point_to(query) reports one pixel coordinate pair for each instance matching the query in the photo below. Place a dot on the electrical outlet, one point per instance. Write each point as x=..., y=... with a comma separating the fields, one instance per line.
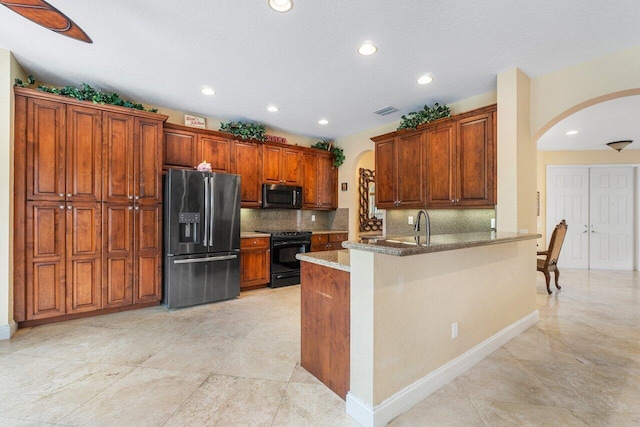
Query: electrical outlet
x=454, y=330
x=410, y=220
x=313, y=218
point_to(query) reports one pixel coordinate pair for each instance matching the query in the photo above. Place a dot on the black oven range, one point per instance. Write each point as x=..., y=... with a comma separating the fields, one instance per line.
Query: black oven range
x=285, y=245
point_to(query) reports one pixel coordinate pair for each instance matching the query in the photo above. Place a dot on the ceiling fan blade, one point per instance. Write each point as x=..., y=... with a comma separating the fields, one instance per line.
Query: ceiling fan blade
x=47, y=16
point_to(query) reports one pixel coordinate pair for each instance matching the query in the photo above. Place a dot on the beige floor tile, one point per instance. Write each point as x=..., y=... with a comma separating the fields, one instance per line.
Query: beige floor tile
x=500, y=414
x=65, y=389
x=134, y=347
x=17, y=371
x=15, y=422
x=301, y=375
x=607, y=418
x=193, y=354
x=231, y=401
x=312, y=405
x=145, y=397
x=440, y=411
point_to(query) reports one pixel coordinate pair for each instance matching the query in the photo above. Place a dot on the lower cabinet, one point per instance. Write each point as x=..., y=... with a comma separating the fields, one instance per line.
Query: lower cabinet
x=255, y=262
x=327, y=241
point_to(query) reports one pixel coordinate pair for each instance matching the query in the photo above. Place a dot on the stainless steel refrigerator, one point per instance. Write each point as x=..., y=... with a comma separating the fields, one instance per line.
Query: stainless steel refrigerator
x=201, y=237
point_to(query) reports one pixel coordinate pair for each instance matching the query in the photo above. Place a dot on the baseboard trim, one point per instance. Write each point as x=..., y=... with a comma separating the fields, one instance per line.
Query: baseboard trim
x=6, y=331
x=408, y=397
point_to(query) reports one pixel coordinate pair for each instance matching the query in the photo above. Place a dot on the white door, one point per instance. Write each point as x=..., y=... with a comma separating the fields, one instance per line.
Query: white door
x=568, y=199
x=597, y=203
x=611, y=218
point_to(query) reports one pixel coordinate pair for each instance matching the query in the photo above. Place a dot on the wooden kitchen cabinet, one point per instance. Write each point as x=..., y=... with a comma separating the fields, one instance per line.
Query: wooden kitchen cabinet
x=247, y=162
x=282, y=165
x=441, y=165
x=320, y=181
x=400, y=171
x=82, y=160
x=255, y=262
x=476, y=183
x=185, y=147
x=327, y=241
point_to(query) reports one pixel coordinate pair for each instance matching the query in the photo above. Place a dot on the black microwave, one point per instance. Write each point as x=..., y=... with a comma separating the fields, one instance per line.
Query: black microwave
x=281, y=196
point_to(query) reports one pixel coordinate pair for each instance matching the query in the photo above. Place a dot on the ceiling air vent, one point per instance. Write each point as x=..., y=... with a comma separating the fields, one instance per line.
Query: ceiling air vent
x=385, y=110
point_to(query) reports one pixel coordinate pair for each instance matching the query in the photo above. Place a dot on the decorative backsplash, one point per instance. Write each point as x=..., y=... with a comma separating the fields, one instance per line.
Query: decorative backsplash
x=443, y=221
x=293, y=219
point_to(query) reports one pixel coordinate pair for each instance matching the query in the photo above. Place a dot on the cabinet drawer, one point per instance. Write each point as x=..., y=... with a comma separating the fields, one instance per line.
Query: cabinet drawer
x=255, y=242
x=338, y=237
x=319, y=238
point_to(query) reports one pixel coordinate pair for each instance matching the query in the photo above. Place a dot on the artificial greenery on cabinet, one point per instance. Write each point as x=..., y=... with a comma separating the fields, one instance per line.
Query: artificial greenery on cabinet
x=245, y=130
x=338, y=154
x=426, y=115
x=85, y=92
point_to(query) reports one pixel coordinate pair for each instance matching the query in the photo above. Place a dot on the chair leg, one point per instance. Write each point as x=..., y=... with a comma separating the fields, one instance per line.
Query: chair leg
x=557, y=274
x=547, y=277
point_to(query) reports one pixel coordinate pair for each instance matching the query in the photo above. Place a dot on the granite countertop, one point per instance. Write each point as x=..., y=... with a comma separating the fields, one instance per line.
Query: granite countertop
x=411, y=245
x=253, y=234
x=335, y=259
x=328, y=231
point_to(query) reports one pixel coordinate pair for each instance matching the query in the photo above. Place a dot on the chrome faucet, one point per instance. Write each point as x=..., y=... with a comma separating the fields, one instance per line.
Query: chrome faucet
x=427, y=223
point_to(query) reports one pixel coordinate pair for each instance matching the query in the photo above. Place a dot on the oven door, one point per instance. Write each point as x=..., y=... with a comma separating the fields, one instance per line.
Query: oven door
x=285, y=268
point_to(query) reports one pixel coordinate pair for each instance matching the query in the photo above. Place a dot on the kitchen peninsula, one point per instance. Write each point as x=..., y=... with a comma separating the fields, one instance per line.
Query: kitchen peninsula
x=421, y=314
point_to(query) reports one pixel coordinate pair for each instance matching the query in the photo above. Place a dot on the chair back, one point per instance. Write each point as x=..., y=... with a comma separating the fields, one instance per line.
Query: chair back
x=557, y=238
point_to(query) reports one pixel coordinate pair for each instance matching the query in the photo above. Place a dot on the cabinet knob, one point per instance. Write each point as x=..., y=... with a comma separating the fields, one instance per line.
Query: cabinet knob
x=69, y=194
x=69, y=207
x=457, y=200
x=130, y=197
x=61, y=194
x=255, y=243
x=137, y=208
x=137, y=197
x=130, y=208
x=61, y=206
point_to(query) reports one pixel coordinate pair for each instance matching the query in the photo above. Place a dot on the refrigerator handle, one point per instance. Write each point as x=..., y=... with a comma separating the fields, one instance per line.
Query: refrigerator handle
x=206, y=219
x=207, y=259
x=211, y=207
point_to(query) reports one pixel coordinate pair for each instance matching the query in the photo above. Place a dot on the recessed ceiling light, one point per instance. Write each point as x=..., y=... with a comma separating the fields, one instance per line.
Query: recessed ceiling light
x=572, y=132
x=425, y=80
x=281, y=5
x=208, y=91
x=272, y=108
x=367, y=49
x=323, y=121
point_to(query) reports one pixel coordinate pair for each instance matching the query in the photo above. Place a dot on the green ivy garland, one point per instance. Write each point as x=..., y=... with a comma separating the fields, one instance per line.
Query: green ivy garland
x=338, y=154
x=426, y=115
x=86, y=93
x=245, y=130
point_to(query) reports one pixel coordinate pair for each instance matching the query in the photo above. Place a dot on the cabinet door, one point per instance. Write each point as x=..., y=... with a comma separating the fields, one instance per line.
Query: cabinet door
x=117, y=251
x=310, y=180
x=386, y=177
x=247, y=158
x=272, y=165
x=215, y=151
x=327, y=183
x=255, y=266
x=441, y=166
x=84, y=154
x=83, y=257
x=46, y=134
x=45, y=259
x=291, y=166
x=148, y=253
x=410, y=172
x=147, y=185
x=476, y=159
x=118, y=153
x=180, y=149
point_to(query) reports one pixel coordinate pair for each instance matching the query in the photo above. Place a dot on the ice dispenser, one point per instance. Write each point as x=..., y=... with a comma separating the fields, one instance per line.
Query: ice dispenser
x=189, y=225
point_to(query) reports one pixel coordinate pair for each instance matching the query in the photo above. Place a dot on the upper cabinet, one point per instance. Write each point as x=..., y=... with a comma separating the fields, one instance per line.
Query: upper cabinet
x=320, y=180
x=447, y=163
x=186, y=147
x=282, y=165
x=400, y=167
x=247, y=162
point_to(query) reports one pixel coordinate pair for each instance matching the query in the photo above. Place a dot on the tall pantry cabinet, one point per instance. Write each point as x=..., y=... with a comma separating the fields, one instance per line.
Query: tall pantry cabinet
x=87, y=208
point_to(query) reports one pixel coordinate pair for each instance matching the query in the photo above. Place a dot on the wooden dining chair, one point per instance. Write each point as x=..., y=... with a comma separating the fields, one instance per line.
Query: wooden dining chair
x=550, y=262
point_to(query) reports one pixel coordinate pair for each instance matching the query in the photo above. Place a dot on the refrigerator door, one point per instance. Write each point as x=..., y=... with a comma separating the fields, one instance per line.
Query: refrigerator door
x=224, y=229
x=199, y=279
x=186, y=211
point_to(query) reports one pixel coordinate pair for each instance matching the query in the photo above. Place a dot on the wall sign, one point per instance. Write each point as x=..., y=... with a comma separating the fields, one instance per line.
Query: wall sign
x=194, y=121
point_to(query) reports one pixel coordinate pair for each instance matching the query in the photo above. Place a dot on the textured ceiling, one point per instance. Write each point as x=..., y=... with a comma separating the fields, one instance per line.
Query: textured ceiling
x=163, y=52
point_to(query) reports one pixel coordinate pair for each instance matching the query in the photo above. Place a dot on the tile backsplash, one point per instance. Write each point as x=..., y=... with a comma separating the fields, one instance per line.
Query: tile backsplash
x=293, y=219
x=443, y=221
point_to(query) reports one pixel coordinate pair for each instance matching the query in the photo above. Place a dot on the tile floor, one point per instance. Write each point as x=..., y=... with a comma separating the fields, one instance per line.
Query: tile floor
x=235, y=363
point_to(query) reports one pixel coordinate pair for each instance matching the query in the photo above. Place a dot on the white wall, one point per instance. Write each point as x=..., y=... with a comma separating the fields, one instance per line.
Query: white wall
x=9, y=70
